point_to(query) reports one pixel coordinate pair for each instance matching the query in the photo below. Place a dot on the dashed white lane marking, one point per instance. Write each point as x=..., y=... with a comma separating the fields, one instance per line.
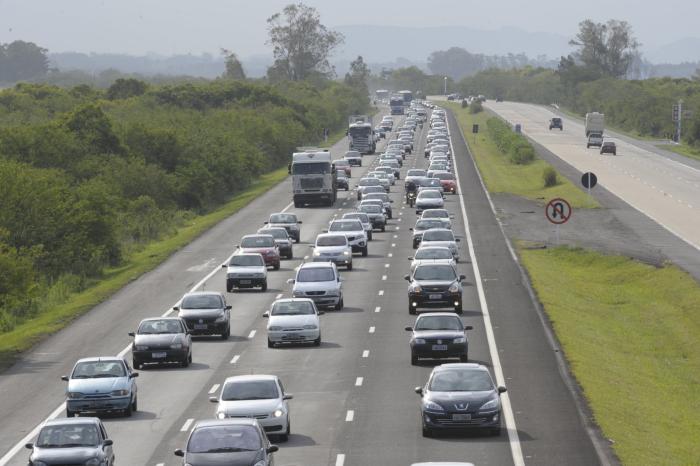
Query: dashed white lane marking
x=252, y=334
x=365, y=353
x=350, y=415
x=399, y=221
x=358, y=381
x=372, y=329
x=235, y=359
x=391, y=255
x=278, y=296
x=393, y=245
x=383, y=277
x=214, y=388
x=398, y=227
x=396, y=236
x=381, y=293
x=387, y=265
x=377, y=309
x=186, y=426
x=306, y=257
x=340, y=460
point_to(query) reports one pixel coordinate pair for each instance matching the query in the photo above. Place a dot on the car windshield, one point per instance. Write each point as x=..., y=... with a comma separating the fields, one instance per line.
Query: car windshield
x=250, y=390
x=439, y=323
x=257, y=242
x=436, y=214
x=314, y=168
x=361, y=217
x=99, y=369
x=68, y=436
x=247, y=260
x=371, y=209
x=283, y=218
x=224, y=439
x=429, y=195
x=370, y=182
x=318, y=274
x=292, y=308
x=433, y=253
x=202, y=301
x=428, y=223
x=345, y=226
x=380, y=196
x=160, y=326
x=461, y=381
x=444, y=176
x=335, y=240
x=435, y=272
x=438, y=235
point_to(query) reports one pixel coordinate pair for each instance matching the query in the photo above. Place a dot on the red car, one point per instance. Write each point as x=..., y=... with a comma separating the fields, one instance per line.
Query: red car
x=261, y=244
x=343, y=165
x=448, y=182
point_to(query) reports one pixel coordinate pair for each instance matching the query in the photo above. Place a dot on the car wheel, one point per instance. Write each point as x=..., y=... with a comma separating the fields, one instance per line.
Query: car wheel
x=229, y=288
x=297, y=239
x=317, y=341
x=349, y=266
x=411, y=310
x=129, y=410
x=227, y=333
x=364, y=251
x=135, y=404
x=427, y=432
x=383, y=228
x=369, y=237
x=458, y=309
x=276, y=266
x=414, y=359
x=270, y=343
x=340, y=305
x=285, y=437
x=264, y=286
x=185, y=362
x=136, y=364
x=290, y=255
x=464, y=358
x=70, y=413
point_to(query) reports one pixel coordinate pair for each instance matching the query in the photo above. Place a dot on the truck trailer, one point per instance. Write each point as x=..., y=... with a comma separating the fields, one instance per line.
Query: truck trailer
x=595, y=123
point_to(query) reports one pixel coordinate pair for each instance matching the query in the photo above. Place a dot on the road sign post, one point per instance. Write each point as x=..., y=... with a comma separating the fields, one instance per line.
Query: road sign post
x=589, y=180
x=475, y=130
x=558, y=211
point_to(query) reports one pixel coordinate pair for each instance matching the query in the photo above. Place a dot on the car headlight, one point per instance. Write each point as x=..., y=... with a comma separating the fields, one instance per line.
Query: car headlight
x=119, y=392
x=141, y=347
x=460, y=340
x=489, y=405
x=39, y=463
x=278, y=413
x=260, y=463
x=317, y=253
x=311, y=327
x=419, y=341
x=221, y=318
x=94, y=462
x=274, y=328
x=432, y=406
x=74, y=395
x=221, y=415
x=176, y=346
x=416, y=289
x=454, y=288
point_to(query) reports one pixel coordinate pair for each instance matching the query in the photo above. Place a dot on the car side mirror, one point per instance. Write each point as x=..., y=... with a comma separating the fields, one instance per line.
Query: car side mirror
x=408, y=329
x=410, y=258
x=64, y=378
x=457, y=240
x=320, y=312
x=133, y=375
x=229, y=307
x=108, y=443
x=132, y=334
x=288, y=396
x=502, y=389
x=176, y=308
x=266, y=223
x=410, y=228
x=407, y=277
x=29, y=446
x=179, y=452
x=468, y=327
x=419, y=390
x=272, y=448
x=299, y=222
x=266, y=314
x=223, y=266
x=462, y=277
x=325, y=230
x=391, y=201
x=238, y=246
x=291, y=281
x=213, y=399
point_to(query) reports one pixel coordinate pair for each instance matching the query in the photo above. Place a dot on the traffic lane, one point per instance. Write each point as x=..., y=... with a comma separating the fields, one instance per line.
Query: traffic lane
x=663, y=189
x=550, y=426
x=89, y=335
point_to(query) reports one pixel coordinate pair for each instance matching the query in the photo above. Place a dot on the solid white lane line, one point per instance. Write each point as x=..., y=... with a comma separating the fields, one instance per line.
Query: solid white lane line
x=377, y=309
x=186, y=426
x=365, y=353
x=350, y=415
x=513, y=437
x=358, y=381
x=371, y=330
x=214, y=388
x=252, y=334
x=340, y=460
x=235, y=359
x=278, y=296
x=381, y=293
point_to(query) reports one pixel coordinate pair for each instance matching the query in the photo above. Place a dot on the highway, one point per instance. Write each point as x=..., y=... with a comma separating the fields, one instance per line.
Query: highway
x=354, y=402
x=664, y=189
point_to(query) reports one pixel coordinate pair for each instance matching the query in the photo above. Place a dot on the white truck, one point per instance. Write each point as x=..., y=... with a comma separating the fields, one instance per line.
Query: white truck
x=361, y=134
x=313, y=177
x=595, y=123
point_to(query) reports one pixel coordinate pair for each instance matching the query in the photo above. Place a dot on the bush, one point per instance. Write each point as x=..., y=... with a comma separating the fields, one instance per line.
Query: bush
x=515, y=146
x=522, y=152
x=549, y=176
x=475, y=107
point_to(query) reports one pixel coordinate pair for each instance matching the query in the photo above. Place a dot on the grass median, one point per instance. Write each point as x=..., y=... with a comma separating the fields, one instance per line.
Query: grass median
x=29, y=332
x=502, y=176
x=631, y=333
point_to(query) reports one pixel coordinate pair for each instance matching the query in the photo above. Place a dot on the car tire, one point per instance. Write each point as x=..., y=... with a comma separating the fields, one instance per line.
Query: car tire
x=135, y=404
x=285, y=437
x=317, y=341
x=427, y=432
x=297, y=238
x=364, y=251
x=185, y=362
x=227, y=333
x=129, y=410
x=369, y=236
x=70, y=413
x=383, y=228
x=229, y=288
x=458, y=309
x=270, y=343
x=411, y=310
x=340, y=305
x=349, y=266
x=290, y=256
x=414, y=359
x=264, y=286
x=276, y=266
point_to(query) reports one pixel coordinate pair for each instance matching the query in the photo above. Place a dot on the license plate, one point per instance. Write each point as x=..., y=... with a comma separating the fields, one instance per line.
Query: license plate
x=461, y=417
x=293, y=336
x=158, y=355
x=200, y=326
x=246, y=282
x=435, y=296
x=439, y=347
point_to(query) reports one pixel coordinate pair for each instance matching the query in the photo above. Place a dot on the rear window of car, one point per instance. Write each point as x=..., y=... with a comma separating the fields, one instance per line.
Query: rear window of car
x=247, y=260
x=283, y=218
x=316, y=274
x=202, y=301
x=336, y=240
x=257, y=242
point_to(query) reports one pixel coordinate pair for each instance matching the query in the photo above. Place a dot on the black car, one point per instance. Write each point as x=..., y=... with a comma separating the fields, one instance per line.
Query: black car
x=421, y=226
x=282, y=238
x=376, y=216
x=556, y=123
x=162, y=339
x=206, y=313
x=439, y=335
x=460, y=396
x=342, y=182
x=81, y=440
x=238, y=441
x=434, y=285
x=608, y=147
x=385, y=201
x=289, y=222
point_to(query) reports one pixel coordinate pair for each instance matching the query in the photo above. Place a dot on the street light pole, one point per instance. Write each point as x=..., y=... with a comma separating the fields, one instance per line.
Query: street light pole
x=445, y=85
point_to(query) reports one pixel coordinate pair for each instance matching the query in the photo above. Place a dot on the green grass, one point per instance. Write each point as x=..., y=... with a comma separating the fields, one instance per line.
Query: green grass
x=681, y=150
x=31, y=331
x=631, y=333
x=501, y=176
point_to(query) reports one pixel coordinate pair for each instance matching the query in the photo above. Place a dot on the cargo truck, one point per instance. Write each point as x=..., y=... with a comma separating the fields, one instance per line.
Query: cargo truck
x=595, y=123
x=361, y=134
x=313, y=177
x=396, y=104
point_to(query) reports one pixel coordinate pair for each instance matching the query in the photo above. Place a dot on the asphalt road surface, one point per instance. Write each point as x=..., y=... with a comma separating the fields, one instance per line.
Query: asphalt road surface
x=664, y=189
x=353, y=396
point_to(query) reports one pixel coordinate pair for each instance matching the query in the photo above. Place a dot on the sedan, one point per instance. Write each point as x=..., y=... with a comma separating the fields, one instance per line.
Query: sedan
x=376, y=215
x=333, y=247
x=289, y=222
x=228, y=441
x=205, y=313
x=460, y=396
x=432, y=255
x=72, y=441
x=101, y=385
x=448, y=181
x=261, y=244
x=363, y=218
x=434, y=285
x=386, y=202
x=608, y=147
x=429, y=199
x=438, y=335
x=256, y=396
x=282, y=240
x=441, y=237
x=422, y=225
x=161, y=339
x=293, y=320
x=368, y=182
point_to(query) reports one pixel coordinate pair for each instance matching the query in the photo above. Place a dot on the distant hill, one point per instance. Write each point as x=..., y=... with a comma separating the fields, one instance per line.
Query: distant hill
x=682, y=50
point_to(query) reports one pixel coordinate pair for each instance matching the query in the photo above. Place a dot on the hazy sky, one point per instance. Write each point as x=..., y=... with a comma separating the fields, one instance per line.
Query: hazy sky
x=195, y=26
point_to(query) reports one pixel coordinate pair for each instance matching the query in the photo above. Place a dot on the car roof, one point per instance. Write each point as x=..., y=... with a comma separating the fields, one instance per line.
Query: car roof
x=179, y=319
x=316, y=265
x=255, y=235
x=250, y=378
x=293, y=300
x=64, y=420
x=100, y=358
x=439, y=229
x=284, y=213
x=437, y=314
x=194, y=293
x=240, y=421
x=460, y=365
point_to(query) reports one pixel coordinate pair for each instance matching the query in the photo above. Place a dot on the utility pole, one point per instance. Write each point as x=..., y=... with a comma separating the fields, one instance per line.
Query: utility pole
x=680, y=119
x=445, y=85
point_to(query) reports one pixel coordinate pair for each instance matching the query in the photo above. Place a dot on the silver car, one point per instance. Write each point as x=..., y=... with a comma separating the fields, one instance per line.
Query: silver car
x=72, y=441
x=293, y=320
x=289, y=222
x=246, y=271
x=441, y=237
x=429, y=199
x=432, y=255
x=333, y=247
x=319, y=281
x=256, y=396
x=364, y=219
x=355, y=233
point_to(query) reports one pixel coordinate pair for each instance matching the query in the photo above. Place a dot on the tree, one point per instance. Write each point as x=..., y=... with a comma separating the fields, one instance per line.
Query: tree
x=125, y=88
x=607, y=48
x=234, y=68
x=21, y=60
x=455, y=62
x=301, y=44
x=358, y=75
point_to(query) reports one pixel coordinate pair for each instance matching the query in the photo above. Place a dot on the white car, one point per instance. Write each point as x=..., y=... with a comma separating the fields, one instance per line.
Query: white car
x=246, y=271
x=293, y=320
x=441, y=237
x=432, y=255
x=319, y=281
x=364, y=219
x=333, y=247
x=256, y=396
x=429, y=199
x=441, y=214
x=353, y=231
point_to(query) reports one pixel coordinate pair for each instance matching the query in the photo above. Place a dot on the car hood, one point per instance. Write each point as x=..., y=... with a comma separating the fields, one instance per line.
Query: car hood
x=446, y=334
x=331, y=249
x=317, y=286
x=98, y=385
x=248, y=407
x=242, y=458
x=199, y=313
x=444, y=283
x=445, y=244
x=157, y=340
x=64, y=455
x=448, y=399
x=246, y=269
x=293, y=321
